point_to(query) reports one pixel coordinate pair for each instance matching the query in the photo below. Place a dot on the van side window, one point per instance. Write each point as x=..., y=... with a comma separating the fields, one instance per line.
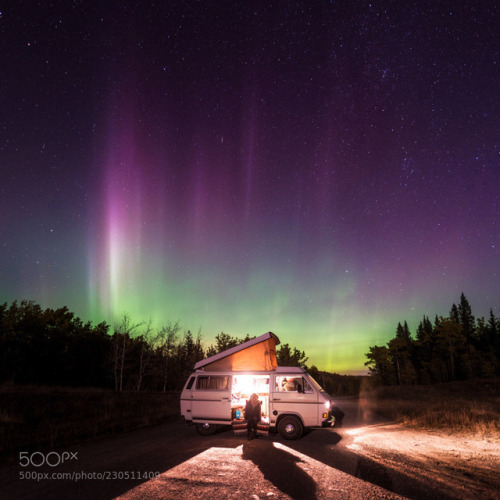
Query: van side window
x=214, y=382
x=190, y=383
x=289, y=383
x=293, y=384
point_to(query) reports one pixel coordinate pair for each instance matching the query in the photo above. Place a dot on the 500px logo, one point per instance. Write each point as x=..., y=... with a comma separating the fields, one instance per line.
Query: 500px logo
x=52, y=459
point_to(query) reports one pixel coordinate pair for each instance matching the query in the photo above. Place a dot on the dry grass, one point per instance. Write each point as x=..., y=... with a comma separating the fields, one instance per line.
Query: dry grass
x=33, y=418
x=468, y=407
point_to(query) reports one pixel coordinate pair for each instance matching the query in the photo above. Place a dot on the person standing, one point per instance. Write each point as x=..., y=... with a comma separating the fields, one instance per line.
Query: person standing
x=252, y=415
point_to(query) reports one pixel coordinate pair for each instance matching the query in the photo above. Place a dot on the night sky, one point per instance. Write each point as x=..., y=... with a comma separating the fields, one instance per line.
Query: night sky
x=322, y=170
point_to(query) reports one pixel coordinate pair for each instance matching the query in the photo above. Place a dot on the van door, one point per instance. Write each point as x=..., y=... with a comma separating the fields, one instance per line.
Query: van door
x=292, y=394
x=211, y=399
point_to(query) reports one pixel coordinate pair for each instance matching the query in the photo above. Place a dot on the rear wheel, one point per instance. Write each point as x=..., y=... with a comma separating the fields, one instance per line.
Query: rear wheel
x=290, y=428
x=206, y=429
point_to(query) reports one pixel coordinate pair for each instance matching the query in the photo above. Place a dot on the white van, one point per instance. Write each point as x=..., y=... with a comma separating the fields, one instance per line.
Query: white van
x=291, y=399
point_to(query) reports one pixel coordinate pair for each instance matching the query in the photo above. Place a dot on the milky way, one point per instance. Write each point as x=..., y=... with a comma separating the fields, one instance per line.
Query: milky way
x=322, y=170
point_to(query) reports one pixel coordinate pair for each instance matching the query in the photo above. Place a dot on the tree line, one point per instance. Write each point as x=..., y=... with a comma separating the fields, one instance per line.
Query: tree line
x=456, y=347
x=55, y=347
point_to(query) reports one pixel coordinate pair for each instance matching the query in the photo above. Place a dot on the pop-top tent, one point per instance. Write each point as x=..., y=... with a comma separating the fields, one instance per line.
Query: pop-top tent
x=258, y=354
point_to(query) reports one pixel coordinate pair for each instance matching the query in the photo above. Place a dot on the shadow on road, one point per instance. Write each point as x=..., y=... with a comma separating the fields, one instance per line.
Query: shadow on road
x=323, y=446
x=280, y=468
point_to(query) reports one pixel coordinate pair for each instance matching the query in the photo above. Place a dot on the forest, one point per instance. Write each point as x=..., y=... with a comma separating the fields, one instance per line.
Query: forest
x=456, y=347
x=53, y=347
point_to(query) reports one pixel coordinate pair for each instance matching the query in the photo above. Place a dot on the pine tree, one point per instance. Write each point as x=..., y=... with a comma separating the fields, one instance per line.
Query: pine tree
x=380, y=365
x=401, y=352
x=454, y=314
x=466, y=319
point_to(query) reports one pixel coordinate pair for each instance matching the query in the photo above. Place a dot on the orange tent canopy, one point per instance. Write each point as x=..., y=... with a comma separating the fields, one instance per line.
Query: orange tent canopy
x=258, y=354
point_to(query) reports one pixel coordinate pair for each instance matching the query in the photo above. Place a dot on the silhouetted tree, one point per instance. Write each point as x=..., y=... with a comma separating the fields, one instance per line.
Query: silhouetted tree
x=50, y=346
x=166, y=341
x=87, y=356
x=122, y=344
x=450, y=342
x=456, y=347
x=401, y=352
x=223, y=341
x=145, y=352
x=189, y=352
x=380, y=365
x=288, y=356
x=454, y=314
x=467, y=319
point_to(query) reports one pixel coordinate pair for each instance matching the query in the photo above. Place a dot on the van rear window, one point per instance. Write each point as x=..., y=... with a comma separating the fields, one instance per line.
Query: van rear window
x=217, y=382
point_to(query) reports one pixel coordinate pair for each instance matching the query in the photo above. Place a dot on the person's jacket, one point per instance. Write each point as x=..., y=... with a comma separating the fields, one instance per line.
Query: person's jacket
x=252, y=411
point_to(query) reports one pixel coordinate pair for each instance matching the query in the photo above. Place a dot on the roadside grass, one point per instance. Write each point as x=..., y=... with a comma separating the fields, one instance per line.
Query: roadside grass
x=457, y=407
x=37, y=418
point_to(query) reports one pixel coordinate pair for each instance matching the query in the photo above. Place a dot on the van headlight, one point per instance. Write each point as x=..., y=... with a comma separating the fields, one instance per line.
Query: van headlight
x=327, y=405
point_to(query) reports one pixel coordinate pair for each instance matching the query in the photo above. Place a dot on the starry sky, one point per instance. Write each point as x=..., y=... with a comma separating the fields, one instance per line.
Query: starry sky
x=322, y=170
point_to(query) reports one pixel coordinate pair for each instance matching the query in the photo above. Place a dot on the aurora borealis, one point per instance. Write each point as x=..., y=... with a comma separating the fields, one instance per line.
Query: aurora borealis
x=322, y=170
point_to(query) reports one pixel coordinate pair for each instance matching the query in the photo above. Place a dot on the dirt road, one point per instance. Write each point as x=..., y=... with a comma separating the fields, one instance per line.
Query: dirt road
x=364, y=458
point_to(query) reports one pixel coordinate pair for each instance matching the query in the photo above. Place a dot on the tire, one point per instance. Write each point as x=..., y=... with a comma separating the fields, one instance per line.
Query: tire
x=206, y=429
x=290, y=428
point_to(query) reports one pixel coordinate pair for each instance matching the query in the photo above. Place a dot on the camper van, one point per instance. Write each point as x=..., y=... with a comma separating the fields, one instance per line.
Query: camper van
x=216, y=393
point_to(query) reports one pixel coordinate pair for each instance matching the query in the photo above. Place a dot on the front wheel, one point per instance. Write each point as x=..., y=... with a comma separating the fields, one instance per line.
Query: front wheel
x=206, y=429
x=290, y=428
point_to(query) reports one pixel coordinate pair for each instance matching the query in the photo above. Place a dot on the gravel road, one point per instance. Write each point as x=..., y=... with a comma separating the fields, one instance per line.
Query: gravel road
x=364, y=458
